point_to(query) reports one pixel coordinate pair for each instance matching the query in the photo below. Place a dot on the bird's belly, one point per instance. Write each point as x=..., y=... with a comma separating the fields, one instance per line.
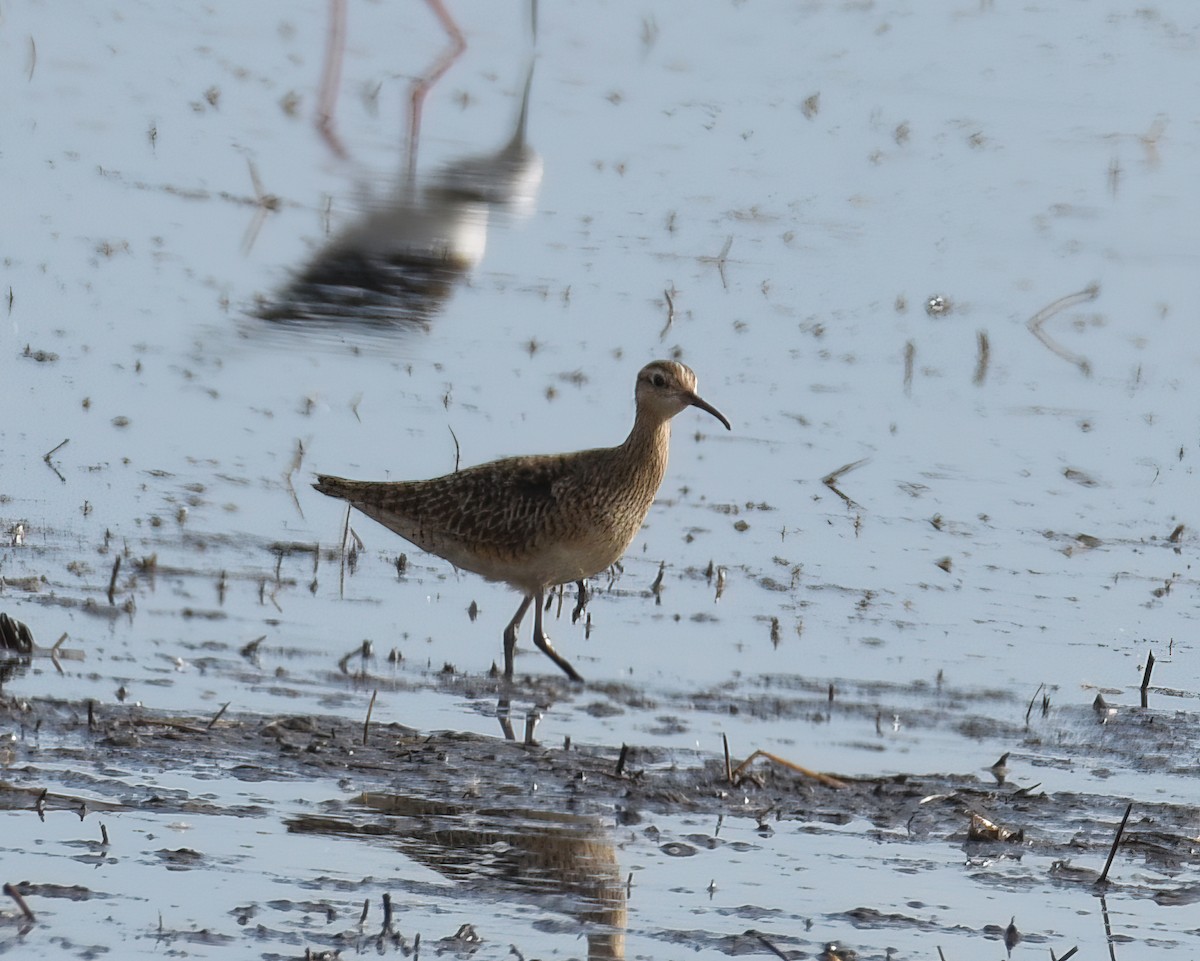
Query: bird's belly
x=547, y=565
x=562, y=564
x=547, y=558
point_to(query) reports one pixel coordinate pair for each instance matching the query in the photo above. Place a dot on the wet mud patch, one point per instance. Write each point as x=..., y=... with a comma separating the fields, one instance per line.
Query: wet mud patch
x=550, y=844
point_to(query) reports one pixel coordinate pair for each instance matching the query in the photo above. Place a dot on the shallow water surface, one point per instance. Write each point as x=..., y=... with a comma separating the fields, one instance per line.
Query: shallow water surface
x=936, y=265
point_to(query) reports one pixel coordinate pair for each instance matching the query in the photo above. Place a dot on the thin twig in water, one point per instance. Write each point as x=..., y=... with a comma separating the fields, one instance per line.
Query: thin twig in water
x=982, y=359
x=668, y=294
x=387, y=913
x=1103, y=879
x=581, y=599
x=622, y=759
x=50, y=453
x=345, y=542
x=457, y=452
x=1149, y=668
x=297, y=458
x=251, y=650
x=769, y=946
x=826, y=779
x=367, y=722
x=656, y=587
x=831, y=479
x=216, y=717
x=112, y=581
x=728, y=763
x=1036, y=325
x=1032, y=700
x=54, y=654
x=720, y=260
x=264, y=202
x=1145, y=691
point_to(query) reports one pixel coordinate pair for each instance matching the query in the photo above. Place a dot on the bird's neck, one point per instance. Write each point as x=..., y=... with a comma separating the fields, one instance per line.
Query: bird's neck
x=647, y=446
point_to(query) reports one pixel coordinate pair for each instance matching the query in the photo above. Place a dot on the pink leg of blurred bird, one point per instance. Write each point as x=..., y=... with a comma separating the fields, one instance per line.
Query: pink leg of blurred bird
x=423, y=84
x=331, y=77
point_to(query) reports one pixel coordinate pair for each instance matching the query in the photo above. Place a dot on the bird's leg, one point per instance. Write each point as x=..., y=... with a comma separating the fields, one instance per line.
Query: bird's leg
x=543, y=642
x=421, y=86
x=510, y=634
x=331, y=78
x=504, y=716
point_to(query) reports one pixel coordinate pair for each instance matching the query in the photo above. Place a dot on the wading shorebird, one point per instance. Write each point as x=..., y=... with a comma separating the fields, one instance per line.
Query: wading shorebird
x=537, y=522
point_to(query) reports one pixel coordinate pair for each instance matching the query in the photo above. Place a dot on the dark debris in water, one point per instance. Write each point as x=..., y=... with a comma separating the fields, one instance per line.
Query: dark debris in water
x=948, y=807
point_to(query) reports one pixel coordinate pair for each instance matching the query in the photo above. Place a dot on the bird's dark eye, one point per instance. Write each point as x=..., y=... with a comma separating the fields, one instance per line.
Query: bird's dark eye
x=658, y=380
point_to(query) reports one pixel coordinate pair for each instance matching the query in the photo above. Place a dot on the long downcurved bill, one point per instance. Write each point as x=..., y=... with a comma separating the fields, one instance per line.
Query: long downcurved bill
x=697, y=401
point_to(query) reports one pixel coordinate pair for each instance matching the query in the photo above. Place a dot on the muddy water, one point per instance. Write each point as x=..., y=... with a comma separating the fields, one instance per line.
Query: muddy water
x=948, y=251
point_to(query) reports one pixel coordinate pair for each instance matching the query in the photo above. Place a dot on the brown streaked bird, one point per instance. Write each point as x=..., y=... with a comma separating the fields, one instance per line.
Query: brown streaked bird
x=537, y=522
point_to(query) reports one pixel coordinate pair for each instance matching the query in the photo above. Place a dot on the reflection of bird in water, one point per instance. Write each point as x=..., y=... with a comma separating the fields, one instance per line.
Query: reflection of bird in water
x=397, y=265
x=536, y=522
x=509, y=178
x=401, y=260
x=563, y=861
